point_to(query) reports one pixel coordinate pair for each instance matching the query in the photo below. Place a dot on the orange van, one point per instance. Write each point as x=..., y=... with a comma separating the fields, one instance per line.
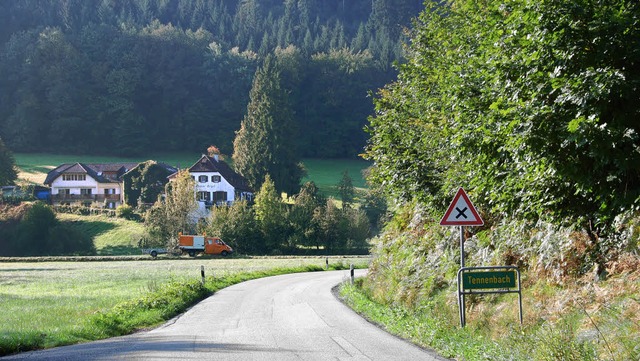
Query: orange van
x=197, y=244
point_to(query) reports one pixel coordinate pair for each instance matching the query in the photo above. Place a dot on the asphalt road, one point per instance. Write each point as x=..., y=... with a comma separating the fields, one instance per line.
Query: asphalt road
x=289, y=317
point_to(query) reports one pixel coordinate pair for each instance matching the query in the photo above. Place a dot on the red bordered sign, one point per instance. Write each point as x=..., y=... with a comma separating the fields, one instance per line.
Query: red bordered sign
x=461, y=212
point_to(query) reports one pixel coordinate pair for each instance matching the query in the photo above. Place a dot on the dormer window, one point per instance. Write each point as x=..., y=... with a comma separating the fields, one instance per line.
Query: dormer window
x=74, y=177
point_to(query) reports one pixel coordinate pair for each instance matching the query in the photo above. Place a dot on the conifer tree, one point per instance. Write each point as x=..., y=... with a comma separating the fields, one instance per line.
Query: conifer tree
x=346, y=190
x=265, y=143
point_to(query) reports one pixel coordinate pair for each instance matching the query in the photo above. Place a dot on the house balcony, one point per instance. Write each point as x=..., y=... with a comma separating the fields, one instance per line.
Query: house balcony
x=85, y=197
x=209, y=204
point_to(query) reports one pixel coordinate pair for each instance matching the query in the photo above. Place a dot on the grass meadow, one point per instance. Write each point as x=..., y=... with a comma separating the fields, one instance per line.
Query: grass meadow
x=46, y=304
x=111, y=236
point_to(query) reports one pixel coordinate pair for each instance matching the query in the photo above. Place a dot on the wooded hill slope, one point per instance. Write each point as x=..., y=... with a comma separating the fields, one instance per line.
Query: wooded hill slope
x=131, y=76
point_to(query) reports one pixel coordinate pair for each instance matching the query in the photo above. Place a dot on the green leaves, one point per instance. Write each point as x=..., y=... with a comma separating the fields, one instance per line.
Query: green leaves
x=523, y=102
x=8, y=170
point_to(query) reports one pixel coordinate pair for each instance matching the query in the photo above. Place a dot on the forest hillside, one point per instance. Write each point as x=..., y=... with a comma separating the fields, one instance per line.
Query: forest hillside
x=127, y=77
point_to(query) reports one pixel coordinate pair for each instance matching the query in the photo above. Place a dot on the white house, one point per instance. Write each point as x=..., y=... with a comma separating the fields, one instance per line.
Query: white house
x=217, y=183
x=91, y=185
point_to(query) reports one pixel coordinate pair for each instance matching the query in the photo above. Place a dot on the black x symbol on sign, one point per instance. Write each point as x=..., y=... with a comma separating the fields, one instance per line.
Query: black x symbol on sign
x=461, y=212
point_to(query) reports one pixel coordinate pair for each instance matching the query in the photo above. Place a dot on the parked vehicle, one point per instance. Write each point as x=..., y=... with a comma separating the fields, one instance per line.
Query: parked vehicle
x=209, y=245
x=154, y=252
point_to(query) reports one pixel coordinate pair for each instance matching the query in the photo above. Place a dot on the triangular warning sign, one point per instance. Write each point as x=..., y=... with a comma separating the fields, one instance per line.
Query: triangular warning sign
x=461, y=212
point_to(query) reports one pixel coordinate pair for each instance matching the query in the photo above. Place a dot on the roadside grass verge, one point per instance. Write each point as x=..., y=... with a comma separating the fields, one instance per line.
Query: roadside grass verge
x=49, y=304
x=582, y=322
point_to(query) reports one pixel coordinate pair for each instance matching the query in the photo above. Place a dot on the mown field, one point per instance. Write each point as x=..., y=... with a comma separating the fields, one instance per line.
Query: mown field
x=46, y=304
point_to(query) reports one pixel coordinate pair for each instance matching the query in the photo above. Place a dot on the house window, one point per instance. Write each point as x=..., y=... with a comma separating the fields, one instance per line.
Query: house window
x=203, y=179
x=110, y=205
x=110, y=191
x=216, y=178
x=220, y=197
x=74, y=177
x=203, y=196
x=64, y=191
x=86, y=191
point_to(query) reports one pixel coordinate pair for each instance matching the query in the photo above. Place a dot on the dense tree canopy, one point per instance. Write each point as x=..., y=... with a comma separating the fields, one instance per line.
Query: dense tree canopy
x=131, y=77
x=143, y=184
x=8, y=172
x=531, y=105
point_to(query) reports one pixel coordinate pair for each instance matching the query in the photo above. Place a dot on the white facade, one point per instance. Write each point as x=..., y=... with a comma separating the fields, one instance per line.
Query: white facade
x=212, y=189
x=90, y=185
x=217, y=184
x=87, y=191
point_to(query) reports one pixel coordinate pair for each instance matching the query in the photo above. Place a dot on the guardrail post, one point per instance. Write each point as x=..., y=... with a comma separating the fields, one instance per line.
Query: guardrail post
x=202, y=274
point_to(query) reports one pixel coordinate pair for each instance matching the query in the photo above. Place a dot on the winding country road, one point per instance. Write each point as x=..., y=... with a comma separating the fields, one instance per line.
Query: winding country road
x=289, y=317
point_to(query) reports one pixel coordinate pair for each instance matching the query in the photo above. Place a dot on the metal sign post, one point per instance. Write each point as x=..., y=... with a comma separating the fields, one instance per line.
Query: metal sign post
x=461, y=212
x=482, y=280
x=461, y=303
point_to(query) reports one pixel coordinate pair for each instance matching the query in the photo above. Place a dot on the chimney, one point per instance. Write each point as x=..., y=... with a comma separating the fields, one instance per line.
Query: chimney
x=215, y=156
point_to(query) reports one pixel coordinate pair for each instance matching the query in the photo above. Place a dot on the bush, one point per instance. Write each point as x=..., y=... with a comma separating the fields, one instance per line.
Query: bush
x=85, y=211
x=34, y=230
x=236, y=225
x=70, y=241
x=127, y=212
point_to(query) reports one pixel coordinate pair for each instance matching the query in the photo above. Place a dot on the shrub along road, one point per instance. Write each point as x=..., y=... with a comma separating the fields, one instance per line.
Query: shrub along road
x=289, y=317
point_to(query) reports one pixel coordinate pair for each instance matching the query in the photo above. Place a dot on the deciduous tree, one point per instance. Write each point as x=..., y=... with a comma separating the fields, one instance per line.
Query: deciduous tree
x=346, y=190
x=532, y=105
x=175, y=214
x=271, y=215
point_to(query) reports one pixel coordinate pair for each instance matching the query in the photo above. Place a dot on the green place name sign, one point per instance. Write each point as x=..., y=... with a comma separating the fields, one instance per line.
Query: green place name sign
x=488, y=279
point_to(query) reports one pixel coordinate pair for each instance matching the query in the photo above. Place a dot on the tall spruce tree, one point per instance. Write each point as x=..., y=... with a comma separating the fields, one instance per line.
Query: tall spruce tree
x=346, y=190
x=265, y=143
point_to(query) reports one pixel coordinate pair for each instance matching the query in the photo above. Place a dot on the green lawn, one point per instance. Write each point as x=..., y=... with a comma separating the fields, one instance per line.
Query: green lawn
x=326, y=173
x=111, y=236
